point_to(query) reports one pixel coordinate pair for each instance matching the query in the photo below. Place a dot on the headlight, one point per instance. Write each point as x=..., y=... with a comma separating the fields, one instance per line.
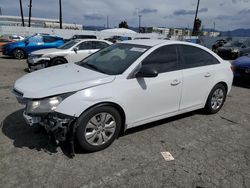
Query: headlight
x=235, y=50
x=35, y=56
x=46, y=105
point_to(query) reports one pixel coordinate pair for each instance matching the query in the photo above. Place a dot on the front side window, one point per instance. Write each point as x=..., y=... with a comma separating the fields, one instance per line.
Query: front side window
x=196, y=57
x=163, y=59
x=115, y=59
x=99, y=45
x=68, y=45
x=85, y=45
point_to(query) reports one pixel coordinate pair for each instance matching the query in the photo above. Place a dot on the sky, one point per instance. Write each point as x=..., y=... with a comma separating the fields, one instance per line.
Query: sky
x=226, y=14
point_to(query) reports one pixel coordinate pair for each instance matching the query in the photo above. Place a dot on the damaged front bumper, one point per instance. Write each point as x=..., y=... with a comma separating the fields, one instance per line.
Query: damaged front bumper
x=55, y=123
x=37, y=63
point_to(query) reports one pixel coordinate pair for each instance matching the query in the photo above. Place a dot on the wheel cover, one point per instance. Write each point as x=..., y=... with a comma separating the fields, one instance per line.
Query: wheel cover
x=19, y=54
x=100, y=129
x=217, y=99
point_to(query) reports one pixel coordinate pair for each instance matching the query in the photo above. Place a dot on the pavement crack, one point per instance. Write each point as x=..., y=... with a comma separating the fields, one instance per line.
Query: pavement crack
x=229, y=120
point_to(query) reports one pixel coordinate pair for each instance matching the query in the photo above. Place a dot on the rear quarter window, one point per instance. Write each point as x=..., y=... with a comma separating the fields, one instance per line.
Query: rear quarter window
x=195, y=57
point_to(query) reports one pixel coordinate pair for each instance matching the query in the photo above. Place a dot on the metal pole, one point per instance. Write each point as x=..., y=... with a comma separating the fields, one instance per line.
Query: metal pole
x=60, y=14
x=107, y=21
x=21, y=8
x=30, y=11
x=140, y=23
x=0, y=10
x=197, y=9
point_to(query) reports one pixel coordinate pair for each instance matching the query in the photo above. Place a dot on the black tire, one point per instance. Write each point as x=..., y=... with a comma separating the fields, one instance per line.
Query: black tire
x=57, y=61
x=213, y=109
x=85, y=118
x=18, y=54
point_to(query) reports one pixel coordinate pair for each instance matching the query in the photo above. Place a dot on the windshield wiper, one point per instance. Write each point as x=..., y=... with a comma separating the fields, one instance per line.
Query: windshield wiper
x=93, y=67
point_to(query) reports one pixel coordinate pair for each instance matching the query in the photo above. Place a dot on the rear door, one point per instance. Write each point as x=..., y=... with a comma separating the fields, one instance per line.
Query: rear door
x=199, y=69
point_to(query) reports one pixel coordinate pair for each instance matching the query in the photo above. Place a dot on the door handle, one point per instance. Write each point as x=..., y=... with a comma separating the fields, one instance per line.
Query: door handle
x=207, y=75
x=175, y=82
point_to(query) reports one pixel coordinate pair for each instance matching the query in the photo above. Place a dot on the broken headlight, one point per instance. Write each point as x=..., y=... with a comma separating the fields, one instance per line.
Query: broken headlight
x=46, y=105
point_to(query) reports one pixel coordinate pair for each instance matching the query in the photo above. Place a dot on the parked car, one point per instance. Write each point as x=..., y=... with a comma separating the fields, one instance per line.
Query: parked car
x=80, y=37
x=115, y=39
x=218, y=43
x=4, y=41
x=13, y=37
x=241, y=69
x=72, y=51
x=21, y=49
x=123, y=86
x=234, y=49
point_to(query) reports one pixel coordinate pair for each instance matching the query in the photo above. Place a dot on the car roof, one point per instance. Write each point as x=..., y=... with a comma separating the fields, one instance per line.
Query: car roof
x=82, y=40
x=155, y=42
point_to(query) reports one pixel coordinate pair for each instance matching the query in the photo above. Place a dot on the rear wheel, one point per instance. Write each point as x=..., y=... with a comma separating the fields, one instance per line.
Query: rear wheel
x=18, y=54
x=216, y=99
x=57, y=61
x=98, y=128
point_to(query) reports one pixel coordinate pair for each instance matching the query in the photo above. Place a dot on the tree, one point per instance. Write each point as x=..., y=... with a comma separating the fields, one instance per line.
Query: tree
x=123, y=24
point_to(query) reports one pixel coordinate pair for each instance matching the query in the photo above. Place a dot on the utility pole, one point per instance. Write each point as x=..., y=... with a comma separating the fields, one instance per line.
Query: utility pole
x=0, y=10
x=214, y=30
x=60, y=13
x=197, y=9
x=140, y=22
x=30, y=11
x=107, y=21
x=21, y=8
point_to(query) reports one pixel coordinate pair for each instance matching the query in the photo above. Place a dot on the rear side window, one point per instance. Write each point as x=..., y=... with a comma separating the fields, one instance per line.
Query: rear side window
x=49, y=39
x=99, y=45
x=196, y=57
x=163, y=59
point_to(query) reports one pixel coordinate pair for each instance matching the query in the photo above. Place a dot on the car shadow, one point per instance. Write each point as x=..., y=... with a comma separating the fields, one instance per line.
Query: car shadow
x=241, y=84
x=23, y=135
x=36, y=138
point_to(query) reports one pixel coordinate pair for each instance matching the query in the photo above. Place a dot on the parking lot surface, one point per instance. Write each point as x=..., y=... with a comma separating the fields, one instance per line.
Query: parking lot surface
x=208, y=150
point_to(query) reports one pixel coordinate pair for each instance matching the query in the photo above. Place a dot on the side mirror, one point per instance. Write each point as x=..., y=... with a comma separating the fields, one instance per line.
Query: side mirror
x=26, y=42
x=75, y=49
x=146, y=72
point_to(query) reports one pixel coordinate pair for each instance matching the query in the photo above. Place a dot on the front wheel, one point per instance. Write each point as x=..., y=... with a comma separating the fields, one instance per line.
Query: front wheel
x=216, y=99
x=98, y=128
x=18, y=54
x=57, y=61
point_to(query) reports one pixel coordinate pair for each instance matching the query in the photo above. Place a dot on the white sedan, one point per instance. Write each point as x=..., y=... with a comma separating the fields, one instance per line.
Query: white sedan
x=123, y=86
x=71, y=52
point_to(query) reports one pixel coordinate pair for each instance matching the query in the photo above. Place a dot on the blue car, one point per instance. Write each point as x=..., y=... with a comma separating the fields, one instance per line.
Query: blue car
x=22, y=49
x=241, y=69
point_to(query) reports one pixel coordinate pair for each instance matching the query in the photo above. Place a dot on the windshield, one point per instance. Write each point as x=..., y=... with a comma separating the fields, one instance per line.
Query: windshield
x=115, y=59
x=233, y=44
x=68, y=45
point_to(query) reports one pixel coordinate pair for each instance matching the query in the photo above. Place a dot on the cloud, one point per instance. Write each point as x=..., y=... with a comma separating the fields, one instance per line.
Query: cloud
x=183, y=12
x=148, y=11
x=239, y=1
x=244, y=11
x=93, y=16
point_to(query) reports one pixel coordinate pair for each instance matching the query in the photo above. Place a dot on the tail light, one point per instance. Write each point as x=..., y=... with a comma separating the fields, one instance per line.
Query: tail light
x=233, y=68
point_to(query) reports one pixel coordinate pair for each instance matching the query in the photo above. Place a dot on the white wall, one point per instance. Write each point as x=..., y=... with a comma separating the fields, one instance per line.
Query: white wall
x=65, y=33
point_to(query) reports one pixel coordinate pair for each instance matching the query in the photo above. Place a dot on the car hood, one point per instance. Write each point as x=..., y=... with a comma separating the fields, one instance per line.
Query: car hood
x=58, y=80
x=243, y=61
x=48, y=51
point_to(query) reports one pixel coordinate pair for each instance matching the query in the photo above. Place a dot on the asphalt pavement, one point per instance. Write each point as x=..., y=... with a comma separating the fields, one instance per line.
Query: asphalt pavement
x=208, y=150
